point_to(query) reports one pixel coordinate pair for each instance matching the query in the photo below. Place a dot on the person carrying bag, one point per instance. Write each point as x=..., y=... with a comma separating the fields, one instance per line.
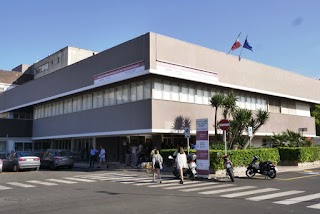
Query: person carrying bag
x=157, y=165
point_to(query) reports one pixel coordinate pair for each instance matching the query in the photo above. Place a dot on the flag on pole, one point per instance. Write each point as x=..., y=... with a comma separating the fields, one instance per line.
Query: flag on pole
x=247, y=45
x=236, y=45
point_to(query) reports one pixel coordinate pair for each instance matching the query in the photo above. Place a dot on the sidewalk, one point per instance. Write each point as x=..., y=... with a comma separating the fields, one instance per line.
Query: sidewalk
x=238, y=171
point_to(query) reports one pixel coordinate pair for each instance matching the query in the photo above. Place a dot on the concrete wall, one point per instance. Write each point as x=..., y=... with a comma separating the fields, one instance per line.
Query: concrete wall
x=124, y=117
x=165, y=112
x=15, y=128
x=244, y=73
x=79, y=74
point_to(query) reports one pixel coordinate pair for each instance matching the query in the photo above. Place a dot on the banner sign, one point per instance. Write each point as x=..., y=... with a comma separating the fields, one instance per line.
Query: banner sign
x=202, y=146
x=126, y=72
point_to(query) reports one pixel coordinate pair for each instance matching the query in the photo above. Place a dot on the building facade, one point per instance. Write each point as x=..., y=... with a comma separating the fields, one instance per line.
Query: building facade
x=133, y=92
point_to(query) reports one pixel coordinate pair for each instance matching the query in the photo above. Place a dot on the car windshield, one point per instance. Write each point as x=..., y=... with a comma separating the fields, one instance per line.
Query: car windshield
x=24, y=154
x=62, y=153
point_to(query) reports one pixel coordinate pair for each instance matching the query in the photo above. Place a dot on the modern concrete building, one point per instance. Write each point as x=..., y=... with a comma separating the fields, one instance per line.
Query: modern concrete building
x=134, y=91
x=60, y=59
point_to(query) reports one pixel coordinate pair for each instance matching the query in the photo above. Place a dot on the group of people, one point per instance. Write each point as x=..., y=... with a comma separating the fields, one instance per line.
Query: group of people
x=133, y=153
x=93, y=157
x=180, y=162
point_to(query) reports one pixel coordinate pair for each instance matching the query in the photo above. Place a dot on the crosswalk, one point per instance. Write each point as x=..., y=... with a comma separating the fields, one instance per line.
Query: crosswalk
x=251, y=193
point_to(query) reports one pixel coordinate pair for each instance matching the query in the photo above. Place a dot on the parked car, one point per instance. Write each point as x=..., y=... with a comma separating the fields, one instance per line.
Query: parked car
x=55, y=158
x=21, y=160
x=1, y=163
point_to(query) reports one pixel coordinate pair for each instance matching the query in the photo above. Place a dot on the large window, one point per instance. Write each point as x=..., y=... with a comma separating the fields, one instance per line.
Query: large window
x=87, y=102
x=98, y=99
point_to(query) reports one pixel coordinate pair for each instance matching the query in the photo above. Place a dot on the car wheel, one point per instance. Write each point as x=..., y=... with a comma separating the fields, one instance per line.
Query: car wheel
x=52, y=167
x=70, y=167
x=16, y=168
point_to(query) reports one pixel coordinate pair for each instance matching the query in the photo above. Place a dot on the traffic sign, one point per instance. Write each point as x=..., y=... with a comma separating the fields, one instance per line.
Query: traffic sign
x=186, y=132
x=224, y=124
x=250, y=131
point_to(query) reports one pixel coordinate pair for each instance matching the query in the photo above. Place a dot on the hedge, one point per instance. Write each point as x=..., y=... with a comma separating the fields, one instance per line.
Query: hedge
x=300, y=154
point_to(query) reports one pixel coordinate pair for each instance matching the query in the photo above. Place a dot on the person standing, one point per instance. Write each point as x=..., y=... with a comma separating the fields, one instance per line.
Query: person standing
x=102, y=157
x=133, y=155
x=157, y=162
x=181, y=163
x=128, y=154
x=93, y=152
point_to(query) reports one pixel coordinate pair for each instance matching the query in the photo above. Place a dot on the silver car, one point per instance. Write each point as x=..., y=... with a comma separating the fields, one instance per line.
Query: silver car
x=1, y=164
x=21, y=160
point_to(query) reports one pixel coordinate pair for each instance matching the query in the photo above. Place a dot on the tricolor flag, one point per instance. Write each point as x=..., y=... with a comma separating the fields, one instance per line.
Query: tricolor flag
x=236, y=45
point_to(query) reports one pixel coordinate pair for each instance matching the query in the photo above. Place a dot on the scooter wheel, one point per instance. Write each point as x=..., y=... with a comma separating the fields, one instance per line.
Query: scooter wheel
x=272, y=174
x=250, y=173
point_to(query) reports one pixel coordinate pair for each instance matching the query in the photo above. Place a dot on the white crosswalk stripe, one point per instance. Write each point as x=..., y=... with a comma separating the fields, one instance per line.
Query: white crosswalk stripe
x=164, y=181
x=298, y=199
x=233, y=195
x=4, y=187
x=21, y=184
x=172, y=184
x=274, y=195
x=61, y=181
x=226, y=190
x=213, y=186
x=191, y=185
x=315, y=206
x=42, y=183
x=80, y=179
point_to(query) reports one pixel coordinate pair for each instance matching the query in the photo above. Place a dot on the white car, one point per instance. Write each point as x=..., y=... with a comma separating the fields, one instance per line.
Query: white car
x=1, y=164
x=21, y=160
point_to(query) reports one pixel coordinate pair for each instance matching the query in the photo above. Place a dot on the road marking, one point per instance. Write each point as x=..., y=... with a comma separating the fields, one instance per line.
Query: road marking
x=226, y=190
x=190, y=185
x=42, y=183
x=274, y=195
x=3, y=187
x=21, y=184
x=207, y=187
x=177, y=183
x=62, y=181
x=142, y=183
x=233, y=195
x=79, y=179
x=132, y=182
x=315, y=206
x=295, y=178
x=298, y=199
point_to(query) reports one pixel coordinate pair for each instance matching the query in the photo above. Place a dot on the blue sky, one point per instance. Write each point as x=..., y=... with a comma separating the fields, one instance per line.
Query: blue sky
x=283, y=33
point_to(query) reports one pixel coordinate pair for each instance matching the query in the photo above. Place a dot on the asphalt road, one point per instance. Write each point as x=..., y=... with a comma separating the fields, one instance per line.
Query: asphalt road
x=120, y=191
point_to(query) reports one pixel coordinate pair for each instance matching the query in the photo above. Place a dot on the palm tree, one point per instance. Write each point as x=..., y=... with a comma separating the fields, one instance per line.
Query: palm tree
x=229, y=104
x=260, y=119
x=241, y=119
x=216, y=102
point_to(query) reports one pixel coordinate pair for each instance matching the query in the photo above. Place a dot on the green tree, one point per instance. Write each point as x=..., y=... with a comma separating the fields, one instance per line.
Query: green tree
x=229, y=104
x=216, y=102
x=315, y=112
x=241, y=119
x=256, y=122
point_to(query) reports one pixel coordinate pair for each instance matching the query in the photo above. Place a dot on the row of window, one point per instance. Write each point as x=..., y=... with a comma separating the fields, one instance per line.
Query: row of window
x=108, y=97
x=157, y=89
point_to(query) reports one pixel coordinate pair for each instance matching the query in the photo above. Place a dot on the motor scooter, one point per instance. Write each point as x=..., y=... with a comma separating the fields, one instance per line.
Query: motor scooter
x=191, y=171
x=229, y=167
x=266, y=168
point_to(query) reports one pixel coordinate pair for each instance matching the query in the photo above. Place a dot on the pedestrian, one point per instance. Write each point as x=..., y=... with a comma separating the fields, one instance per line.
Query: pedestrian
x=133, y=154
x=181, y=163
x=128, y=154
x=157, y=163
x=102, y=157
x=93, y=153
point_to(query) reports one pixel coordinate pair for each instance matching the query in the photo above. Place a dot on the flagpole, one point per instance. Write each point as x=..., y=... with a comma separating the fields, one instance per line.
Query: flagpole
x=234, y=42
x=242, y=49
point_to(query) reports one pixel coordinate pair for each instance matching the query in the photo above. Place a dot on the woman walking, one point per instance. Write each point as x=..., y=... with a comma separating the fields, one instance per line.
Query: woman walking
x=181, y=163
x=157, y=162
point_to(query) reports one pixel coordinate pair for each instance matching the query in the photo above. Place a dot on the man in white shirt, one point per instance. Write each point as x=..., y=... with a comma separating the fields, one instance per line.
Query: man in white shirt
x=102, y=157
x=133, y=155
